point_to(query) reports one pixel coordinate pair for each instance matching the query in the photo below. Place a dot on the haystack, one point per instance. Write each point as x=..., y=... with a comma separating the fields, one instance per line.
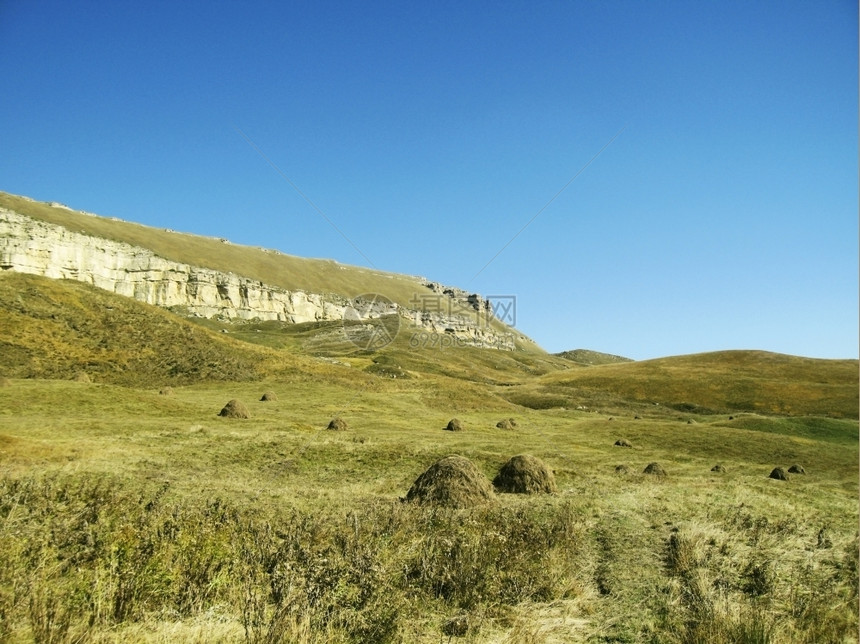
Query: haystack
x=453, y=482
x=269, y=396
x=622, y=469
x=779, y=474
x=796, y=469
x=338, y=424
x=621, y=442
x=506, y=423
x=165, y=391
x=81, y=376
x=654, y=469
x=454, y=425
x=718, y=468
x=525, y=474
x=235, y=409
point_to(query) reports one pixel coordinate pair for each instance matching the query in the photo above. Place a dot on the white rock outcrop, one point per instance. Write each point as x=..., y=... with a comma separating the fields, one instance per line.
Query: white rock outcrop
x=33, y=246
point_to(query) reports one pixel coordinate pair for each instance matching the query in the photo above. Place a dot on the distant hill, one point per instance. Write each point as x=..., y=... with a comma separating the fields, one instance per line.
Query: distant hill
x=717, y=382
x=588, y=357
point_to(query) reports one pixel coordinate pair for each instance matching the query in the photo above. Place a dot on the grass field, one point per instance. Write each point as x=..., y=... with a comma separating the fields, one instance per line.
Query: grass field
x=131, y=515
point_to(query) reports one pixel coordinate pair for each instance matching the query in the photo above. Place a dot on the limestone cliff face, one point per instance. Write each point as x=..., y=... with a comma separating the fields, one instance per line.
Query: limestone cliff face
x=32, y=246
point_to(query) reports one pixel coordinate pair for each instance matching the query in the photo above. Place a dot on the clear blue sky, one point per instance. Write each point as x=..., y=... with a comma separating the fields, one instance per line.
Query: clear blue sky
x=725, y=215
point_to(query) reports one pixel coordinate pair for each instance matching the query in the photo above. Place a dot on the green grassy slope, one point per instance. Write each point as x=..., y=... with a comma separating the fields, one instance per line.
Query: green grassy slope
x=54, y=329
x=589, y=357
x=59, y=328
x=724, y=381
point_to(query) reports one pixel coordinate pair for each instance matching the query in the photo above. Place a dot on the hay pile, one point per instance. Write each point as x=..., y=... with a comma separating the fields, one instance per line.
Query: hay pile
x=166, y=391
x=622, y=469
x=338, y=424
x=621, y=442
x=235, y=409
x=779, y=474
x=454, y=425
x=452, y=482
x=81, y=376
x=525, y=474
x=269, y=396
x=718, y=468
x=796, y=469
x=506, y=423
x=654, y=469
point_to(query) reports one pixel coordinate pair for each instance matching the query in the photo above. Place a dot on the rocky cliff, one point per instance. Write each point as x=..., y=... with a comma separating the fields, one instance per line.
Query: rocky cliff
x=30, y=245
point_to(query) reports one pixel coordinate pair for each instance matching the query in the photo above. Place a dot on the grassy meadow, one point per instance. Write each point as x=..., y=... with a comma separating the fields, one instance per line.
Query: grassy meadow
x=131, y=512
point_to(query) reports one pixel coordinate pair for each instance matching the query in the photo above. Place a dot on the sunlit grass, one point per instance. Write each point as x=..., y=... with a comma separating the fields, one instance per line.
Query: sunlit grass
x=611, y=568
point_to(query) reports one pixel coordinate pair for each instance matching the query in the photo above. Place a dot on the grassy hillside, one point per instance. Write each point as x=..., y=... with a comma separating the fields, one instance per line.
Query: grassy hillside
x=62, y=328
x=58, y=329
x=719, y=382
x=588, y=357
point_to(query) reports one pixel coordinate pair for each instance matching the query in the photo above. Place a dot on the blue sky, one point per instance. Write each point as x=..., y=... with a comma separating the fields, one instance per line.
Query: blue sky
x=724, y=216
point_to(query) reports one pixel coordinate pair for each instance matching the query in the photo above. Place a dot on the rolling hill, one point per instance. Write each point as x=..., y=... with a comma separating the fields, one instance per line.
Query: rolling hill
x=717, y=382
